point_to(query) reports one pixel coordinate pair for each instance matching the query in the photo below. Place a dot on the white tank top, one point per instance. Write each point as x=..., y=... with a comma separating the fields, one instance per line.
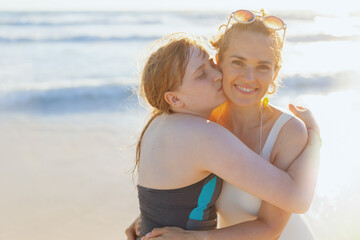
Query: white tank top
x=236, y=206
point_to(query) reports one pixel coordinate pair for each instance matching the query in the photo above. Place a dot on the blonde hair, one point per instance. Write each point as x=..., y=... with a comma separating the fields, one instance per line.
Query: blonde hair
x=221, y=41
x=163, y=72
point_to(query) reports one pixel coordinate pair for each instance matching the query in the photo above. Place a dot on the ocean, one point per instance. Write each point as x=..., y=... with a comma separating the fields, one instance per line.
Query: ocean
x=54, y=65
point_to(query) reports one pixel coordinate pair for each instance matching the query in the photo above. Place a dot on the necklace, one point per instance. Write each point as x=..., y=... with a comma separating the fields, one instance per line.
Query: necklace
x=260, y=137
x=261, y=123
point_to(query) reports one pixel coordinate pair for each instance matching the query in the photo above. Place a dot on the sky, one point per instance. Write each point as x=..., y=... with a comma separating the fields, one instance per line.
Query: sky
x=206, y=5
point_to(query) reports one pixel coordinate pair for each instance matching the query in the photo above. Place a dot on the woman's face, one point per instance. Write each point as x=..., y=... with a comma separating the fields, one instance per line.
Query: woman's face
x=248, y=68
x=201, y=89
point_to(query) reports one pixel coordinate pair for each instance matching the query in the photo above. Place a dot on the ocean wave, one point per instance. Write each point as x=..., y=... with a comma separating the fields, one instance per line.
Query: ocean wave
x=89, y=38
x=48, y=23
x=77, y=39
x=302, y=15
x=138, y=17
x=322, y=38
x=53, y=24
x=97, y=97
x=320, y=83
x=110, y=97
x=313, y=82
x=69, y=99
x=74, y=19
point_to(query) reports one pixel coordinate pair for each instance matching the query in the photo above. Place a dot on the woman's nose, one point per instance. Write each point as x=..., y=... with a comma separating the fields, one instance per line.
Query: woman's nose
x=248, y=74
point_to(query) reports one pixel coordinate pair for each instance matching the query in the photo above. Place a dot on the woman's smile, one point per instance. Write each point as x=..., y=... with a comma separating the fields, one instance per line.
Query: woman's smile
x=247, y=90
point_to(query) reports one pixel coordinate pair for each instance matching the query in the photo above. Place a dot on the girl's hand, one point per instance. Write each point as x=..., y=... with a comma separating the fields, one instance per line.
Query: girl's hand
x=173, y=233
x=305, y=115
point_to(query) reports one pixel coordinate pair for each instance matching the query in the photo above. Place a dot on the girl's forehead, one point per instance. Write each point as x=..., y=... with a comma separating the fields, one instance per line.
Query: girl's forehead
x=198, y=52
x=197, y=58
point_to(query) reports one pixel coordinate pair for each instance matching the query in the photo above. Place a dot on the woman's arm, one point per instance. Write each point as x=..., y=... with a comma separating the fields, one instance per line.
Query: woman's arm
x=268, y=226
x=133, y=231
x=306, y=173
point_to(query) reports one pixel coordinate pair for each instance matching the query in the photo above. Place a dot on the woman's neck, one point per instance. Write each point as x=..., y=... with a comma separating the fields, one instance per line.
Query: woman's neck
x=240, y=119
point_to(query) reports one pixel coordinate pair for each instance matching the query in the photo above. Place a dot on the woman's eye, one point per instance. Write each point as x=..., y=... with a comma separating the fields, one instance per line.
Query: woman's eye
x=263, y=68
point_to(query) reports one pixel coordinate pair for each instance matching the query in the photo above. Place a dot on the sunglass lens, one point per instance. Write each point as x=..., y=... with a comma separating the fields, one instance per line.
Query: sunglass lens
x=244, y=16
x=273, y=22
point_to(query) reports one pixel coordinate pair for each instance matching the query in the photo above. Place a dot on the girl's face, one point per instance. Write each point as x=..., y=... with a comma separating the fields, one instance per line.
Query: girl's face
x=201, y=89
x=248, y=67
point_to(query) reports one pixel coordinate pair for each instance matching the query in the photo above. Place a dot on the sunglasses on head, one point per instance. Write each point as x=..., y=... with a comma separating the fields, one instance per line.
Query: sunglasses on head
x=269, y=21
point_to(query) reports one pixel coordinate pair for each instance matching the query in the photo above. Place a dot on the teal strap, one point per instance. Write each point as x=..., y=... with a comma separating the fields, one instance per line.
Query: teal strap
x=203, y=200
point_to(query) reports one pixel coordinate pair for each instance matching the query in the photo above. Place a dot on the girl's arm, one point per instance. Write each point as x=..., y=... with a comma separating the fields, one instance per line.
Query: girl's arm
x=271, y=220
x=219, y=151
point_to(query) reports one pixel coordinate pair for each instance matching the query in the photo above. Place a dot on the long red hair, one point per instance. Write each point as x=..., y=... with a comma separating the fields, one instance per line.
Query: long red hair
x=163, y=72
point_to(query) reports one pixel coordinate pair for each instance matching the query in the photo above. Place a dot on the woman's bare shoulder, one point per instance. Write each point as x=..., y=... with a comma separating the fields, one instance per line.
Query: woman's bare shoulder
x=293, y=127
x=289, y=144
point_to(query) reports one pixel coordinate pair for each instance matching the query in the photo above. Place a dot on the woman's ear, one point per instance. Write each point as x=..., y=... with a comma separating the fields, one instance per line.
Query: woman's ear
x=276, y=74
x=172, y=99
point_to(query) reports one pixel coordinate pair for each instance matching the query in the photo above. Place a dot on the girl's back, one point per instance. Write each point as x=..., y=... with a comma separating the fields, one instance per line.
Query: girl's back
x=168, y=152
x=171, y=191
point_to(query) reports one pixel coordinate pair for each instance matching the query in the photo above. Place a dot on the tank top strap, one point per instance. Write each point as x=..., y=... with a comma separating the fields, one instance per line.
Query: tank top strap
x=275, y=130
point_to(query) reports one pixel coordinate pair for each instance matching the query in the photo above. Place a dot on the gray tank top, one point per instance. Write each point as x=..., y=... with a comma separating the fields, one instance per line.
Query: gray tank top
x=191, y=207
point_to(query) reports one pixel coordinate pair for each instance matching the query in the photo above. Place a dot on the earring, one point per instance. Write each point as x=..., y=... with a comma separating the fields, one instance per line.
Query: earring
x=273, y=88
x=265, y=101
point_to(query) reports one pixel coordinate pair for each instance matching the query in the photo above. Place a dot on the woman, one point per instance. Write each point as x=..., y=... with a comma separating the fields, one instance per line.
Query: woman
x=249, y=74
x=184, y=86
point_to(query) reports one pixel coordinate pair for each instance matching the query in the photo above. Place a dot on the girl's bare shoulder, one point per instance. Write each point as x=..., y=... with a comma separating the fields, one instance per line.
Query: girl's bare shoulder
x=191, y=124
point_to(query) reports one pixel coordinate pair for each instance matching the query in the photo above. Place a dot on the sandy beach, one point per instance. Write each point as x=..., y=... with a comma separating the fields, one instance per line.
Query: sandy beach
x=65, y=179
